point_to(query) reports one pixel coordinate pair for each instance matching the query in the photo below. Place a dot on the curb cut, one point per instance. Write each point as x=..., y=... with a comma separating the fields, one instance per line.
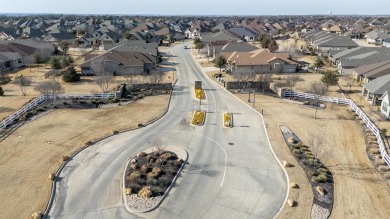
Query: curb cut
x=169, y=148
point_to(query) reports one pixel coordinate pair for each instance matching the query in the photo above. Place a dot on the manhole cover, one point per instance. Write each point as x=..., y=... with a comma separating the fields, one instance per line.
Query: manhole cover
x=231, y=143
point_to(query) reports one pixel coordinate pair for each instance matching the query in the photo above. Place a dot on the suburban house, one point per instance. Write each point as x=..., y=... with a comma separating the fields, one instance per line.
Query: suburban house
x=60, y=37
x=133, y=46
x=349, y=59
x=109, y=38
x=148, y=37
x=374, y=90
x=335, y=29
x=10, y=60
x=366, y=73
x=376, y=37
x=244, y=34
x=165, y=32
x=222, y=47
x=385, y=109
x=260, y=61
x=117, y=63
x=324, y=42
x=26, y=52
x=86, y=42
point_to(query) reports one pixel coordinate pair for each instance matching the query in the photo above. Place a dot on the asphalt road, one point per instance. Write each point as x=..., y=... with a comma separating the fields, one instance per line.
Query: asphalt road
x=231, y=173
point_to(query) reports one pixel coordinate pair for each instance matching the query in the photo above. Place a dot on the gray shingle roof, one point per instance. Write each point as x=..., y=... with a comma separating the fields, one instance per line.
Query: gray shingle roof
x=379, y=85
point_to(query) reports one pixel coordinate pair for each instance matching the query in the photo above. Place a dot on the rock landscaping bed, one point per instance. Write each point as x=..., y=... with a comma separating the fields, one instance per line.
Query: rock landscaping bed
x=148, y=177
x=198, y=117
x=320, y=178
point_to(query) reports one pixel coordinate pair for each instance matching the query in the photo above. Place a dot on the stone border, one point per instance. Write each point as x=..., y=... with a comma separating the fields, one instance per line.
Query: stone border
x=181, y=153
x=57, y=173
x=204, y=119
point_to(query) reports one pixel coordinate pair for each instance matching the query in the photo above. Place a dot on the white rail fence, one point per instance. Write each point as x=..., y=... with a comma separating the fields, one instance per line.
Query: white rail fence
x=42, y=98
x=375, y=130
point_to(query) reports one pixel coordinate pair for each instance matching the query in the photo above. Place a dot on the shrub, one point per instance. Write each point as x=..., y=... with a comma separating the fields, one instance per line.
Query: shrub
x=322, y=170
x=311, y=162
x=307, y=153
x=114, y=132
x=315, y=179
x=311, y=173
x=297, y=151
x=164, y=181
x=310, y=157
x=70, y=75
x=134, y=176
x=135, y=188
x=82, y=102
x=295, y=146
x=322, y=178
x=55, y=63
x=88, y=143
x=1, y=91
x=157, y=190
x=41, y=109
x=115, y=100
x=65, y=103
x=374, y=151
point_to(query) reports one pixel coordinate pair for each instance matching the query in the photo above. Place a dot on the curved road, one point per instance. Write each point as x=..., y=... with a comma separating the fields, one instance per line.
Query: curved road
x=231, y=173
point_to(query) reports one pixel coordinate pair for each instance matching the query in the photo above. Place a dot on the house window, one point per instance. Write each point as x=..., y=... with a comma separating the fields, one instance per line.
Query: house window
x=19, y=61
x=385, y=105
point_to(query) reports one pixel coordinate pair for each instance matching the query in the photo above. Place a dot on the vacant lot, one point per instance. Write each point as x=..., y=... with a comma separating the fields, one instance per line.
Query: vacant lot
x=360, y=191
x=26, y=157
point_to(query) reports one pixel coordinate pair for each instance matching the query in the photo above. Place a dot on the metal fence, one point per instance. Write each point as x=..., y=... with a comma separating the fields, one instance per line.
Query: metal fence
x=42, y=98
x=375, y=130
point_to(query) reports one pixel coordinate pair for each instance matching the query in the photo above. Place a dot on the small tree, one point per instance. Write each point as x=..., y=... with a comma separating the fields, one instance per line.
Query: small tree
x=23, y=83
x=55, y=63
x=291, y=80
x=50, y=89
x=171, y=38
x=37, y=58
x=127, y=35
x=156, y=77
x=66, y=61
x=243, y=77
x=329, y=79
x=1, y=91
x=104, y=78
x=273, y=45
x=265, y=79
x=220, y=62
x=350, y=82
x=197, y=40
x=264, y=40
x=319, y=63
x=199, y=46
x=70, y=75
x=319, y=89
x=64, y=46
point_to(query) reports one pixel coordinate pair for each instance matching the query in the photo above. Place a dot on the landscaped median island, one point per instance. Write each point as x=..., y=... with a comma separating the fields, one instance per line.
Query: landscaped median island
x=149, y=176
x=228, y=120
x=198, y=117
x=199, y=93
x=321, y=179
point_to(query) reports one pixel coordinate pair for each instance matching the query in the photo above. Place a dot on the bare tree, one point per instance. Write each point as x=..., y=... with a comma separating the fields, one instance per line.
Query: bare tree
x=104, y=78
x=243, y=76
x=50, y=89
x=291, y=80
x=265, y=79
x=156, y=77
x=157, y=144
x=23, y=83
x=350, y=82
x=130, y=75
x=319, y=89
x=28, y=60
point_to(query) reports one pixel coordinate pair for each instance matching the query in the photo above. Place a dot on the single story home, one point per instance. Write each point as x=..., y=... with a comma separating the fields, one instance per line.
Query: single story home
x=117, y=63
x=374, y=90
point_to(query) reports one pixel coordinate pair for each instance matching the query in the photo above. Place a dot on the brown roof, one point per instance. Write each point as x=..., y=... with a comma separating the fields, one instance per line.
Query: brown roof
x=374, y=70
x=19, y=48
x=124, y=58
x=258, y=57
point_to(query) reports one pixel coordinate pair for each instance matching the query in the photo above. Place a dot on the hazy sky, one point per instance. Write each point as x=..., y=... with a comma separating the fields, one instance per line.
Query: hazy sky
x=198, y=7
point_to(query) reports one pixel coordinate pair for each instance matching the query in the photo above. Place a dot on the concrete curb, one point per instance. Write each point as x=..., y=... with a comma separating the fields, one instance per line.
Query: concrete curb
x=180, y=153
x=265, y=129
x=54, y=182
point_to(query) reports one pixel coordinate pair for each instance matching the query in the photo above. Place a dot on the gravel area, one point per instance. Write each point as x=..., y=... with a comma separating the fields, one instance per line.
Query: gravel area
x=318, y=212
x=138, y=203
